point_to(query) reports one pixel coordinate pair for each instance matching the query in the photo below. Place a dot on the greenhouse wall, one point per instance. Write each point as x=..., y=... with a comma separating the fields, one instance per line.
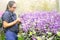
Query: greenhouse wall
x=31, y=5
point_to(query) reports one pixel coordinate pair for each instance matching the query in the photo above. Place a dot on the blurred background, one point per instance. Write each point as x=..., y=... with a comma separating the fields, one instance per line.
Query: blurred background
x=32, y=5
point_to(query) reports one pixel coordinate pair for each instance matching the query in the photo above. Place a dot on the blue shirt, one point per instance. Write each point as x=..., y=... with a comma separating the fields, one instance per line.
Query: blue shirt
x=10, y=17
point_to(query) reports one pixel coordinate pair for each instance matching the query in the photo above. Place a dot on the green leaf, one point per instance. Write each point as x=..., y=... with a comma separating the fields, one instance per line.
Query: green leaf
x=58, y=33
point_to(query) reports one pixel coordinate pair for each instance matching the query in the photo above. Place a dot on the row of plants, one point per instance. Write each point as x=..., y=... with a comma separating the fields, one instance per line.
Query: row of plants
x=0, y=18
x=2, y=37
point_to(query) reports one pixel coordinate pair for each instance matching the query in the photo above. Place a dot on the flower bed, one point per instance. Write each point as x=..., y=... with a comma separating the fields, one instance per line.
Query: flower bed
x=1, y=32
x=41, y=25
x=0, y=18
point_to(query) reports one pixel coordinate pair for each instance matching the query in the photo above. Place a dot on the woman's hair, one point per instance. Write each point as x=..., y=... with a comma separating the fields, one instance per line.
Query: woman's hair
x=10, y=4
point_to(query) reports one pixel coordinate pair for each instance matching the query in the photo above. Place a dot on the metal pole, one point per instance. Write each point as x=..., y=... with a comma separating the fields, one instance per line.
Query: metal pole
x=57, y=5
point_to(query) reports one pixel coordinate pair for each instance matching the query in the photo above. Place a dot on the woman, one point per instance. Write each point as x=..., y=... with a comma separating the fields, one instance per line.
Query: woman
x=10, y=22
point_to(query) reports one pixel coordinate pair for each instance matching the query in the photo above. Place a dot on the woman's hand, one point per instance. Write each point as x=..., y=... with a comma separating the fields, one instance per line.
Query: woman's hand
x=18, y=20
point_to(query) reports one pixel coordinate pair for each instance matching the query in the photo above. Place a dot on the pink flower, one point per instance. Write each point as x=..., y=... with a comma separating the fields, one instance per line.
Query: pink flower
x=1, y=12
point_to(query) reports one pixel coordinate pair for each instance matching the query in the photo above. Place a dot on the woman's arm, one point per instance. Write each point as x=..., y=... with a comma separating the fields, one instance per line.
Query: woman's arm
x=6, y=24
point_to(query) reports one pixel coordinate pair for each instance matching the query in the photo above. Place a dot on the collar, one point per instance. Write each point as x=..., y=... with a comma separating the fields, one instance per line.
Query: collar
x=10, y=12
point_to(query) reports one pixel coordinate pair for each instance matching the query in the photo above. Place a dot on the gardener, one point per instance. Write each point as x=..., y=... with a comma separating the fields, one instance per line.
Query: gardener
x=10, y=22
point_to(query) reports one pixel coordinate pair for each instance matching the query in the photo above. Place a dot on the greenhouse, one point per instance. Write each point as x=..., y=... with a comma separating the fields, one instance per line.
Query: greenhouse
x=39, y=19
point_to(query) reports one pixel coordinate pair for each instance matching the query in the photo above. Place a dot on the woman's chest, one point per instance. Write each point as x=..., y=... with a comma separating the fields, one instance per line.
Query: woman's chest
x=12, y=18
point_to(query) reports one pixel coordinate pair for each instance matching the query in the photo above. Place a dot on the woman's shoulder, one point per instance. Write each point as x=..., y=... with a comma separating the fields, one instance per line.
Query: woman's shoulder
x=6, y=13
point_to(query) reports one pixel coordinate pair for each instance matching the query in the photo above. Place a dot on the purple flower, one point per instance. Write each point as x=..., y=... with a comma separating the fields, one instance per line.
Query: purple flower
x=44, y=20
